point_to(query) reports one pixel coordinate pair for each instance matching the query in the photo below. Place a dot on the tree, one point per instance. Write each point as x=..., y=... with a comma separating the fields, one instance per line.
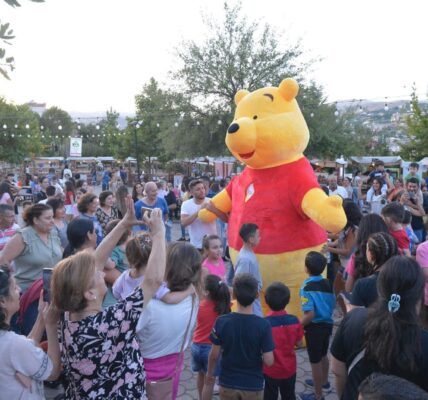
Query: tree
x=57, y=128
x=417, y=130
x=242, y=54
x=19, y=132
x=237, y=55
x=7, y=63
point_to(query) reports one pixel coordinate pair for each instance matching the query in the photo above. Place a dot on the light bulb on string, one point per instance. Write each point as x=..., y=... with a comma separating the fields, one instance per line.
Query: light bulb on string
x=28, y=136
x=176, y=124
x=97, y=127
x=56, y=137
x=158, y=125
x=312, y=115
x=42, y=127
x=198, y=123
x=78, y=127
x=386, y=108
x=27, y=126
x=336, y=113
x=219, y=122
x=4, y=126
x=60, y=127
x=12, y=135
x=16, y=126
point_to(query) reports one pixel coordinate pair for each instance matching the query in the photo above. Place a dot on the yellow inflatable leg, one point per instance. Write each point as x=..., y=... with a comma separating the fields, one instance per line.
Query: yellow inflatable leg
x=288, y=268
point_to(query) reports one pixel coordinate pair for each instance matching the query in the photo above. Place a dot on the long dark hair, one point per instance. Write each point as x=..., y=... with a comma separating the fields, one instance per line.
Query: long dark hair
x=218, y=292
x=4, y=292
x=371, y=223
x=394, y=338
x=77, y=235
x=5, y=188
x=382, y=247
x=353, y=214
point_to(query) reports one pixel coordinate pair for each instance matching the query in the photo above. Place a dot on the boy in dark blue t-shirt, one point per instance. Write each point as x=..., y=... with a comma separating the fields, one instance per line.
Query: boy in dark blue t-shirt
x=318, y=303
x=246, y=343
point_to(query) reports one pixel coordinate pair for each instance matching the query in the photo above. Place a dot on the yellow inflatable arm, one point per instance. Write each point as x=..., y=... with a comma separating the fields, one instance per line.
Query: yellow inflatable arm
x=325, y=211
x=221, y=202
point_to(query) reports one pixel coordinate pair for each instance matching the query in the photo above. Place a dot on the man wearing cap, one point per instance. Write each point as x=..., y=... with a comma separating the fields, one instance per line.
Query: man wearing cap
x=189, y=214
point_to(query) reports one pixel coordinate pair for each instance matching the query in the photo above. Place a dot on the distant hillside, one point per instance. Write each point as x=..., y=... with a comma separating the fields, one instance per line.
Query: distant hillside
x=91, y=117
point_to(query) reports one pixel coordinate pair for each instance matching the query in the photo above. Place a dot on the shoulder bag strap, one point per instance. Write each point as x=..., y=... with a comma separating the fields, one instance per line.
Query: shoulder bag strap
x=185, y=335
x=356, y=360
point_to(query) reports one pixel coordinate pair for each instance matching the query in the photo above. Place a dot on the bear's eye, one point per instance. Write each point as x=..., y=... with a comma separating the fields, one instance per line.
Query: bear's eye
x=255, y=117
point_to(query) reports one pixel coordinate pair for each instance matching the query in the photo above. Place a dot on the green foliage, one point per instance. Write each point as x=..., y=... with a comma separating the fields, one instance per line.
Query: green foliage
x=57, y=127
x=417, y=129
x=238, y=54
x=26, y=141
x=7, y=63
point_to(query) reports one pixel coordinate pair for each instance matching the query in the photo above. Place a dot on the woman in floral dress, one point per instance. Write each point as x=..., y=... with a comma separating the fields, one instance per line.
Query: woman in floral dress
x=101, y=357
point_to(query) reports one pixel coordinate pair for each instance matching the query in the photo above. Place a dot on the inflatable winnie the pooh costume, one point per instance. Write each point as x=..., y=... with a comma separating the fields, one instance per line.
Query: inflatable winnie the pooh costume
x=278, y=189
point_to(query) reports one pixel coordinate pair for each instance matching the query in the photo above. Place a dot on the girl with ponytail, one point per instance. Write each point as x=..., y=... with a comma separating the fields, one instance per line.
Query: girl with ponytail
x=380, y=248
x=215, y=303
x=388, y=336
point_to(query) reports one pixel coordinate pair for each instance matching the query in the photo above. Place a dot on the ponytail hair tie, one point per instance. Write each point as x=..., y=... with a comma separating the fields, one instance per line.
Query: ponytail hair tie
x=394, y=303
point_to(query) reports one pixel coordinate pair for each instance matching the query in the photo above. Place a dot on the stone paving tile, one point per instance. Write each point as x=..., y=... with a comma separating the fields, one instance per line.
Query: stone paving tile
x=187, y=387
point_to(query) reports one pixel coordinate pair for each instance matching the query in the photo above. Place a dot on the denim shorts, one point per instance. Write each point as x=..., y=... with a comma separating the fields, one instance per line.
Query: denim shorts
x=200, y=353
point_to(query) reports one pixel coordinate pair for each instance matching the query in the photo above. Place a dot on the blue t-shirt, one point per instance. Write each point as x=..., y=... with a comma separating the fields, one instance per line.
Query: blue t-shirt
x=160, y=203
x=243, y=339
x=106, y=177
x=317, y=295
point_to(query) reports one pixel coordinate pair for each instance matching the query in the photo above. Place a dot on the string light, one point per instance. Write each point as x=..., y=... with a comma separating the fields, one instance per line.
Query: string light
x=4, y=126
x=27, y=126
x=60, y=127
x=219, y=122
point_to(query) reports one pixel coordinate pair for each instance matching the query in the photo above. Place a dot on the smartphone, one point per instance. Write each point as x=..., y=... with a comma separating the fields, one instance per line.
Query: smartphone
x=144, y=209
x=47, y=273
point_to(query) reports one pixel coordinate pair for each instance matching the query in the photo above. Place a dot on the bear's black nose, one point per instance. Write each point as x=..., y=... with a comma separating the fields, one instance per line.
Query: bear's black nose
x=233, y=128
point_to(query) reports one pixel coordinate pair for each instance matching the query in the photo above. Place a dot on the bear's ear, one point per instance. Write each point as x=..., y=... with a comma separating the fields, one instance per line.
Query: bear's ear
x=240, y=94
x=289, y=89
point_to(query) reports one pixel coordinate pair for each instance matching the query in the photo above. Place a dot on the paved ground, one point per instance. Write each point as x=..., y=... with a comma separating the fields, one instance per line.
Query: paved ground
x=187, y=389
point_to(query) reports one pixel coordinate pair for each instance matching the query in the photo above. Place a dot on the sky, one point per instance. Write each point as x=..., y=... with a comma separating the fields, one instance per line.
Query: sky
x=90, y=55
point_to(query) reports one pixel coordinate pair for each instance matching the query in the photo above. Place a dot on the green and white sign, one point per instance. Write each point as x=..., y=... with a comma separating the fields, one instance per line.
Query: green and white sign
x=75, y=147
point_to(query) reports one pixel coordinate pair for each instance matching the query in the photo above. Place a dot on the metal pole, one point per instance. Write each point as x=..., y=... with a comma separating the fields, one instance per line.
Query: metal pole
x=137, y=156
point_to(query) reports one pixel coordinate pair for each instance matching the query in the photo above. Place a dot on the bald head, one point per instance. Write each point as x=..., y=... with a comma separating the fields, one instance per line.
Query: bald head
x=151, y=191
x=332, y=182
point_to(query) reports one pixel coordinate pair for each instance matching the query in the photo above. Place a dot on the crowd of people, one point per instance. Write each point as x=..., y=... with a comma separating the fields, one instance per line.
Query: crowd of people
x=124, y=301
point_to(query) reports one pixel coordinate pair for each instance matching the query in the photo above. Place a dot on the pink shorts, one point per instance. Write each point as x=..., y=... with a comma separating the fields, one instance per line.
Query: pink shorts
x=164, y=367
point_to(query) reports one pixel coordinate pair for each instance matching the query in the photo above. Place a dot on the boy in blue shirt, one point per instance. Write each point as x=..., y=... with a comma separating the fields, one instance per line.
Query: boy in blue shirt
x=247, y=260
x=246, y=344
x=318, y=303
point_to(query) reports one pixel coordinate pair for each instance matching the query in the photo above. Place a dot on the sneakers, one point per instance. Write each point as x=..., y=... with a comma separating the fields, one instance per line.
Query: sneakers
x=309, y=396
x=310, y=383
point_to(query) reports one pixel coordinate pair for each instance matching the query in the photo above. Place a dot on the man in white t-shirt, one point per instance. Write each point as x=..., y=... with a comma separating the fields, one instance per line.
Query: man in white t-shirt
x=333, y=188
x=189, y=214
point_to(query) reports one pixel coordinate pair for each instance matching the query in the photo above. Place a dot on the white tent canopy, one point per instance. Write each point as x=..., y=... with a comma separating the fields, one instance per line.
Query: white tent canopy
x=390, y=160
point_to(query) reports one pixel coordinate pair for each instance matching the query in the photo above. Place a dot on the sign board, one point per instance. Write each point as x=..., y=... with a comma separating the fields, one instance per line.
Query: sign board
x=75, y=147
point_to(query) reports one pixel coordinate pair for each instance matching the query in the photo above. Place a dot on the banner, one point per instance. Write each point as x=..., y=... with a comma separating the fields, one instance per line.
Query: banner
x=75, y=147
